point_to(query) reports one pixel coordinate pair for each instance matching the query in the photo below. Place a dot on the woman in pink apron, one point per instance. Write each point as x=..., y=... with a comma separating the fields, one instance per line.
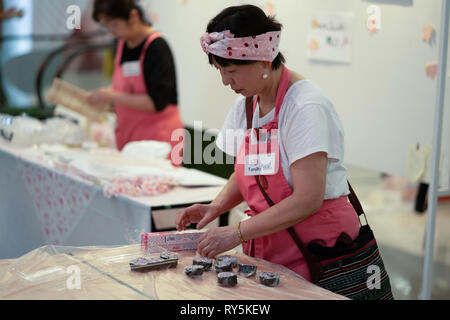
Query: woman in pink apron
x=143, y=89
x=295, y=148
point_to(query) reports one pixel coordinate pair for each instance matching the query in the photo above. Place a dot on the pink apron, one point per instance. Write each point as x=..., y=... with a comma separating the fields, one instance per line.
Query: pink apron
x=136, y=125
x=335, y=215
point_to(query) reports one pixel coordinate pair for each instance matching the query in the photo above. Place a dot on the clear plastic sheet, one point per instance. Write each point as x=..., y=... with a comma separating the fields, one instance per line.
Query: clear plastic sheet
x=39, y=273
x=51, y=272
x=24, y=130
x=105, y=273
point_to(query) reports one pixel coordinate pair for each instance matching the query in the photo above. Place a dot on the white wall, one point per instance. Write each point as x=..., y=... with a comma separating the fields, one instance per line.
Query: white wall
x=383, y=96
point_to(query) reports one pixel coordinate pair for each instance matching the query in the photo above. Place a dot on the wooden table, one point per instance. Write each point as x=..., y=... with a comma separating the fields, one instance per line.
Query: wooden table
x=51, y=273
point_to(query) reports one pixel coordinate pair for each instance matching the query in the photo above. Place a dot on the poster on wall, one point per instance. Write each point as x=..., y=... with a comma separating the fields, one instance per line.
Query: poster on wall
x=329, y=37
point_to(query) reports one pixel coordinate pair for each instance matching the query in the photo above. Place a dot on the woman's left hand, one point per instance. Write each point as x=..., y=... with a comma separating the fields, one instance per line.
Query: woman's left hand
x=218, y=240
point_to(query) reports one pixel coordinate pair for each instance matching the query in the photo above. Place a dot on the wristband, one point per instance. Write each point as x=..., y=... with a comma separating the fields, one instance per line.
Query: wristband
x=239, y=232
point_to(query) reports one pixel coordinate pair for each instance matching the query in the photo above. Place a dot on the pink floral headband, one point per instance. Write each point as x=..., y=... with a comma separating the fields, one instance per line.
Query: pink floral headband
x=263, y=47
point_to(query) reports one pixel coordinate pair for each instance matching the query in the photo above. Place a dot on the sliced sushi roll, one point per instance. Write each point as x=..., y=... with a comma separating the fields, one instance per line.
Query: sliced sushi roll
x=166, y=255
x=205, y=262
x=193, y=271
x=227, y=257
x=246, y=270
x=222, y=266
x=227, y=279
x=270, y=279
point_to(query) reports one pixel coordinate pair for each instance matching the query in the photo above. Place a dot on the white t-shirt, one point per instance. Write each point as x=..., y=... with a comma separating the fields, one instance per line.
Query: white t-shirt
x=307, y=123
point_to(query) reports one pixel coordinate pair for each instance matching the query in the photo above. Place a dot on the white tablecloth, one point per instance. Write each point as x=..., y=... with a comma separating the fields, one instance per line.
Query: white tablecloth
x=40, y=205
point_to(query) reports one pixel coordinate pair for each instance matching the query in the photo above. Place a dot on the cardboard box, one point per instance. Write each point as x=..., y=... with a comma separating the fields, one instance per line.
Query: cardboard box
x=171, y=241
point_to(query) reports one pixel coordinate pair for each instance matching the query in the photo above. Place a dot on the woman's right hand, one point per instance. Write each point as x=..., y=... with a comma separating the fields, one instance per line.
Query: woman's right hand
x=100, y=96
x=202, y=214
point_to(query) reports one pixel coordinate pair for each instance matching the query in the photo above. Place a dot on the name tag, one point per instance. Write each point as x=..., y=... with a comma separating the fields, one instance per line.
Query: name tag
x=131, y=68
x=260, y=164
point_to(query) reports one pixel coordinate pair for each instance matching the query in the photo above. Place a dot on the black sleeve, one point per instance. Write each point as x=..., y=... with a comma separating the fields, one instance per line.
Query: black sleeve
x=159, y=74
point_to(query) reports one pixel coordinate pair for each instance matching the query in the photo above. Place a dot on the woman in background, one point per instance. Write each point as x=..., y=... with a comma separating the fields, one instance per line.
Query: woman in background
x=144, y=91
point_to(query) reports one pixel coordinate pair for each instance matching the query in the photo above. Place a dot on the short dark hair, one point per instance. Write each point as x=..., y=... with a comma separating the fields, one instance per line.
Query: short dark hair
x=244, y=21
x=120, y=9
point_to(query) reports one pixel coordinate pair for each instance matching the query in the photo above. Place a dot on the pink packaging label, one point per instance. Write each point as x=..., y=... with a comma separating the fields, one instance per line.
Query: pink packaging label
x=172, y=241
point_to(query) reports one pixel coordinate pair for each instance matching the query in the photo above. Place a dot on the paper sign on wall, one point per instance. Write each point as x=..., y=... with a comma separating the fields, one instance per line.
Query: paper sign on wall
x=329, y=37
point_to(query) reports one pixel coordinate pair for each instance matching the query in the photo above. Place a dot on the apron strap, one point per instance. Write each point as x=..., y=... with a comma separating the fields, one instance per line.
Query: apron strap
x=249, y=111
x=281, y=92
x=355, y=202
x=152, y=36
x=119, y=51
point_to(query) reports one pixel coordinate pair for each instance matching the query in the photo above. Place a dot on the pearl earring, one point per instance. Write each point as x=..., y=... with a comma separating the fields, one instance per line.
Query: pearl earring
x=265, y=76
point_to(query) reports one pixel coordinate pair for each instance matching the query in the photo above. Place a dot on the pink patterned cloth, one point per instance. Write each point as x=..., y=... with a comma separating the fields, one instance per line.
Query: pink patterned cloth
x=60, y=201
x=263, y=47
x=138, y=186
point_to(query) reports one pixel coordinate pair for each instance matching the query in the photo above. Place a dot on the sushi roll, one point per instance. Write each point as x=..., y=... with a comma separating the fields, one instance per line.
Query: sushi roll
x=148, y=264
x=246, y=270
x=205, y=262
x=166, y=255
x=193, y=271
x=270, y=279
x=222, y=266
x=232, y=259
x=227, y=279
